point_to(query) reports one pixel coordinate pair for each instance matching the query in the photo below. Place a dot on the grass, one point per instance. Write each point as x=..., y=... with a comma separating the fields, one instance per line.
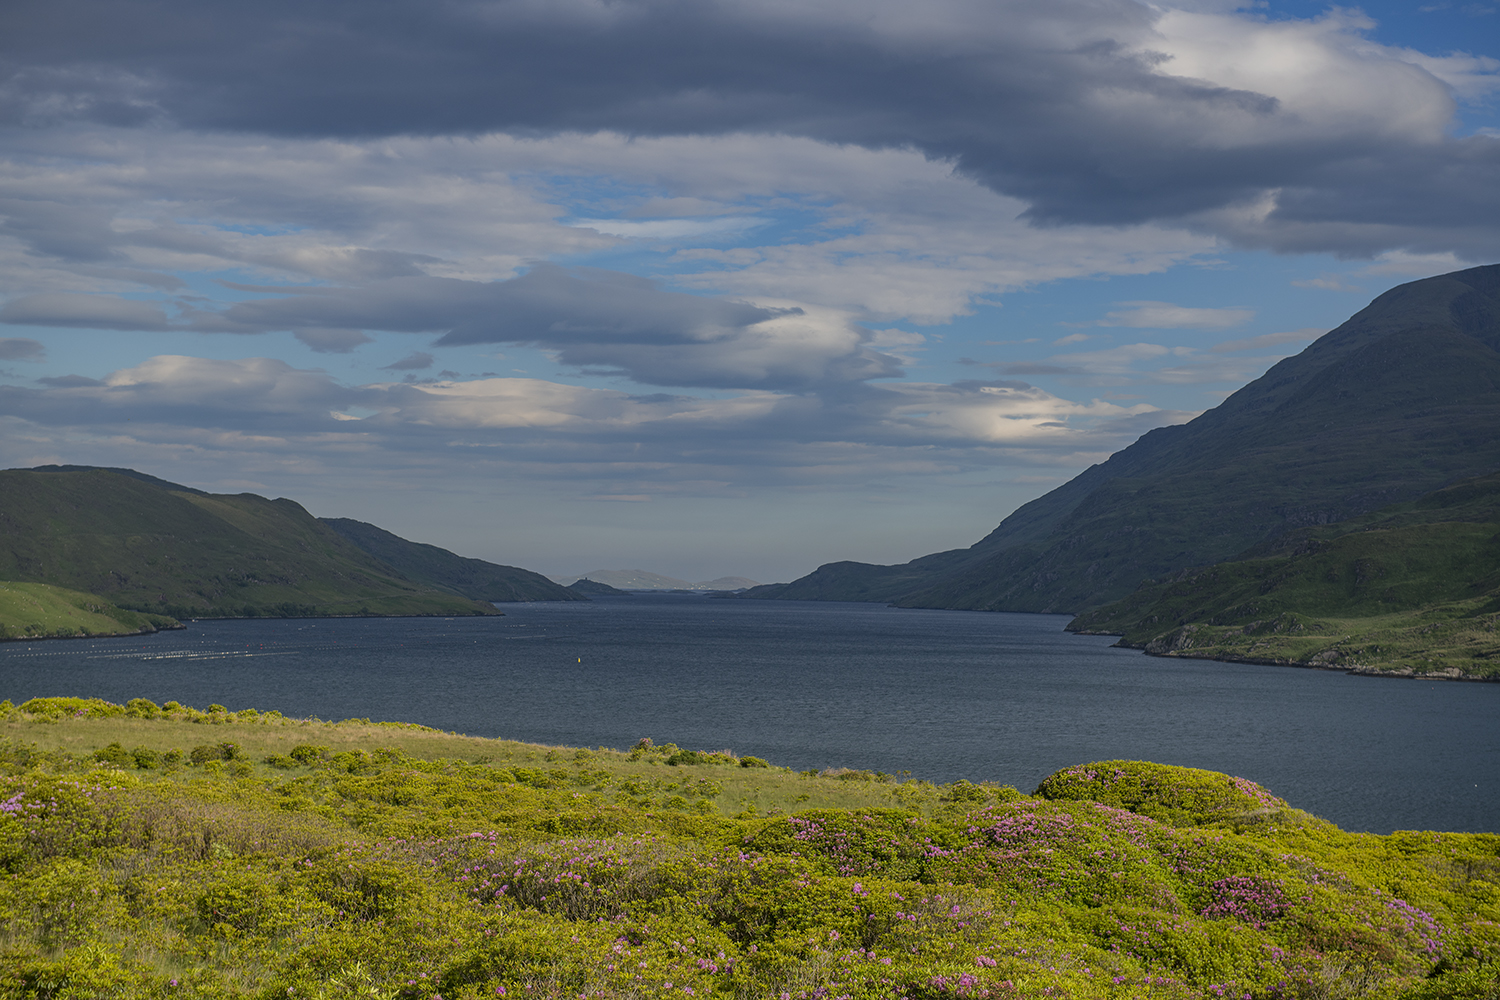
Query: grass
x=168, y=852
x=1412, y=590
x=191, y=555
x=39, y=611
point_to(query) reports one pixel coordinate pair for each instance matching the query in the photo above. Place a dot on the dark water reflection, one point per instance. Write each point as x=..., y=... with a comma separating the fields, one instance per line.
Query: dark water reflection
x=941, y=694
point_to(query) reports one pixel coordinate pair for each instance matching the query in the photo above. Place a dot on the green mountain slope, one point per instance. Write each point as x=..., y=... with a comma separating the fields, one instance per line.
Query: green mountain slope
x=37, y=611
x=1398, y=401
x=473, y=578
x=1413, y=589
x=150, y=548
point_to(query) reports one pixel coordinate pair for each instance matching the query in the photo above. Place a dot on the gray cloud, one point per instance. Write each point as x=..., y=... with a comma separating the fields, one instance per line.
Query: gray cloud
x=604, y=322
x=1093, y=111
x=102, y=312
x=415, y=361
x=21, y=349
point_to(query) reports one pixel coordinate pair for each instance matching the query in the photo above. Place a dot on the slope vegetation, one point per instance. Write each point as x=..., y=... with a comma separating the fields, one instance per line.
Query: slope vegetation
x=1402, y=399
x=1413, y=589
x=439, y=568
x=155, y=852
x=37, y=611
x=183, y=553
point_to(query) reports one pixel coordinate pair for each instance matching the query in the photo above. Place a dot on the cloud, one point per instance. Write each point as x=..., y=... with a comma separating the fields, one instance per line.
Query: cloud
x=1090, y=111
x=415, y=361
x=1167, y=316
x=601, y=321
x=1303, y=336
x=21, y=349
x=332, y=340
x=266, y=406
x=100, y=312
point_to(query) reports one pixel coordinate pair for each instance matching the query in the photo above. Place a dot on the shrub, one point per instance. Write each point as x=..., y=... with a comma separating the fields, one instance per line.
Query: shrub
x=1181, y=796
x=115, y=754
x=145, y=758
x=308, y=754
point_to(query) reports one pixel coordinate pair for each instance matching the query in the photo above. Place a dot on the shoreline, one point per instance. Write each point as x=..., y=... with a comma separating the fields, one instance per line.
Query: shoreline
x=1395, y=673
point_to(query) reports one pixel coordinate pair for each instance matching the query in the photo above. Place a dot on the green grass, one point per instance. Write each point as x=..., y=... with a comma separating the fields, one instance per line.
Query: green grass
x=163, y=852
x=192, y=555
x=37, y=611
x=1412, y=590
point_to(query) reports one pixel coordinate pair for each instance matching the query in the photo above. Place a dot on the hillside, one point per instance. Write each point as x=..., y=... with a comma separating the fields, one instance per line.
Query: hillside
x=1412, y=589
x=161, y=851
x=155, y=549
x=639, y=579
x=587, y=587
x=1402, y=399
x=37, y=611
x=439, y=568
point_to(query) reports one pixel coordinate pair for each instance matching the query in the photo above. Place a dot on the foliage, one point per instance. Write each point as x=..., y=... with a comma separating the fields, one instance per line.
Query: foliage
x=329, y=860
x=39, y=611
x=1413, y=589
x=147, y=545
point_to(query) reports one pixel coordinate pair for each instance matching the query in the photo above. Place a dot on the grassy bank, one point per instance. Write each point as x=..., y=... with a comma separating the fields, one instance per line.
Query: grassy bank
x=169, y=852
x=39, y=611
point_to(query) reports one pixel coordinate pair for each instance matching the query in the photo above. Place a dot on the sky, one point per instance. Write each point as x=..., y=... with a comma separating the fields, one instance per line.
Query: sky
x=703, y=288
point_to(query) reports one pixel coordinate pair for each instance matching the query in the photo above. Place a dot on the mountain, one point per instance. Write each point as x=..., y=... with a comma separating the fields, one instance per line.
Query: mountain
x=150, y=546
x=583, y=585
x=1400, y=400
x=1411, y=589
x=639, y=579
x=472, y=578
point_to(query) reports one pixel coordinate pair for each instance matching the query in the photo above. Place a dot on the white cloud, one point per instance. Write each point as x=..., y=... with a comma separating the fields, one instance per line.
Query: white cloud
x=1168, y=316
x=1303, y=336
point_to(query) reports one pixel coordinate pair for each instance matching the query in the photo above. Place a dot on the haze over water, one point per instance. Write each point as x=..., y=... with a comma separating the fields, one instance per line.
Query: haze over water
x=941, y=694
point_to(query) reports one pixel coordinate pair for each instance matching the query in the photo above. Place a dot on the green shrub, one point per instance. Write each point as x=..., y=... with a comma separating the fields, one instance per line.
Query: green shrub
x=753, y=762
x=280, y=760
x=145, y=758
x=308, y=754
x=95, y=708
x=1182, y=796
x=115, y=754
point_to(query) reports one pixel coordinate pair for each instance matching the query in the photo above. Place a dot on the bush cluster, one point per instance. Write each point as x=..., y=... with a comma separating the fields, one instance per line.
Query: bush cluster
x=371, y=872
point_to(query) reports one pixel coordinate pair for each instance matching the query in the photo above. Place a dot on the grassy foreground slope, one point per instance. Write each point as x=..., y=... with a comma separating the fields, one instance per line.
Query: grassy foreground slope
x=160, y=852
x=37, y=611
x=143, y=546
x=1412, y=590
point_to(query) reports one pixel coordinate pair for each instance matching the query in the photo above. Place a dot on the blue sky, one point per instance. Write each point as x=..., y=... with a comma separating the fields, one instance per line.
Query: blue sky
x=701, y=288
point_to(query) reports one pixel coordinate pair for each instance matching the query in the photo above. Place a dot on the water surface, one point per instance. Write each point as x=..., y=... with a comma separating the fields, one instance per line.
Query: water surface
x=941, y=694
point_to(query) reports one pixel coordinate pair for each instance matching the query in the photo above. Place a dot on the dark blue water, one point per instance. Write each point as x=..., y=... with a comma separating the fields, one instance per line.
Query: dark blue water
x=941, y=694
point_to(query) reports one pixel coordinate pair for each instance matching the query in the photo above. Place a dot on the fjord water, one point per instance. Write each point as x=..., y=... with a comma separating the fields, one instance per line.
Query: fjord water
x=941, y=694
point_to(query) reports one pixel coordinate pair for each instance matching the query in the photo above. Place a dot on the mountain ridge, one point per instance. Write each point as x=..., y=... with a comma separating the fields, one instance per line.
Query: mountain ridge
x=1388, y=406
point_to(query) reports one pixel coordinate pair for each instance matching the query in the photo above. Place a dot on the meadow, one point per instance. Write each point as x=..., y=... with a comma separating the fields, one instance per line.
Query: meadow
x=166, y=851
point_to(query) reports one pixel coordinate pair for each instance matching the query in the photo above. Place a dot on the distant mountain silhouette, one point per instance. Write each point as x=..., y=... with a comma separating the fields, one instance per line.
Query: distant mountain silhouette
x=1402, y=399
x=473, y=578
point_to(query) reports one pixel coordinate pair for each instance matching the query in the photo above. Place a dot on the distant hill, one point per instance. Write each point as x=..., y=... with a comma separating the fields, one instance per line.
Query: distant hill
x=1413, y=589
x=146, y=545
x=473, y=578
x=639, y=579
x=1402, y=399
x=587, y=587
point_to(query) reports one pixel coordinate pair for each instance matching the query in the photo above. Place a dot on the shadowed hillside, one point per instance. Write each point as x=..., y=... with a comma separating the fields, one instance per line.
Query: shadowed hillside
x=1402, y=399
x=473, y=578
x=158, y=549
